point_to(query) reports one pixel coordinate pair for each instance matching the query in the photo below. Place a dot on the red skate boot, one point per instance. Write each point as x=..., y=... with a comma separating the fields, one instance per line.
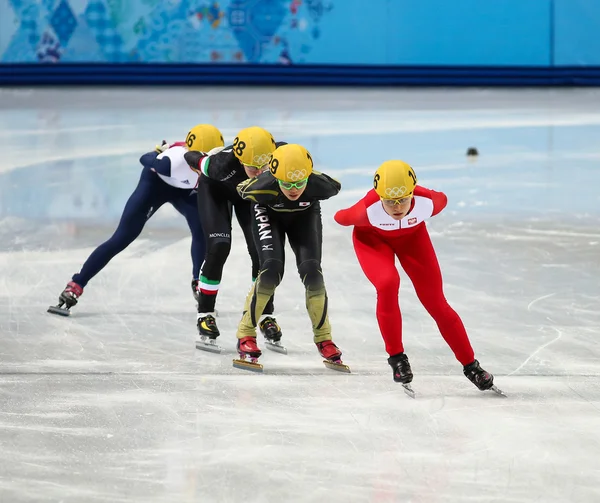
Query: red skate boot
x=68, y=298
x=247, y=348
x=332, y=355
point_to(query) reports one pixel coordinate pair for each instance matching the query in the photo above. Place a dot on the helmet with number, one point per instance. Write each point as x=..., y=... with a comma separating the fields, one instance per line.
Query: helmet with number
x=204, y=138
x=253, y=146
x=394, y=180
x=291, y=163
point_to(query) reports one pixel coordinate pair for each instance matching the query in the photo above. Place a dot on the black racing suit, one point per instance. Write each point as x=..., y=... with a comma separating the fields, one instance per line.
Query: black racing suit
x=274, y=218
x=217, y=199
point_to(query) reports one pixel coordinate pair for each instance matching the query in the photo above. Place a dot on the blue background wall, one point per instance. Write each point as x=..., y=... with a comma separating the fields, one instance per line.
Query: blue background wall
x=539, y=34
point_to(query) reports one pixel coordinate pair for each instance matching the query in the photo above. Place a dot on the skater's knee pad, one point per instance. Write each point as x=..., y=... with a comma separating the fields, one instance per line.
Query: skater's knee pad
x=311, y=275
x=271, y=273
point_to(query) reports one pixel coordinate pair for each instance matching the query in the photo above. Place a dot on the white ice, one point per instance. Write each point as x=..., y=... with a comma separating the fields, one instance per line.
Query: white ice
x=116, y=405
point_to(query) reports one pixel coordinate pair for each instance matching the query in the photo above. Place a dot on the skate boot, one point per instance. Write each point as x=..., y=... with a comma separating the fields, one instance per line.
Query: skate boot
x=333, y=356
x=196, y=289
x=272, y=333
x=402, y=372
x=480, y=378
x=68, y=298
x=249, y=354
x=208, y=332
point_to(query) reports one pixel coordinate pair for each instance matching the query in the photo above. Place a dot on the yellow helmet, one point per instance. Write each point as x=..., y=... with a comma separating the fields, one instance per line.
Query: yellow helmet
x=394, y=180
x=291, y=163
x=253, y=146
x=204, y=138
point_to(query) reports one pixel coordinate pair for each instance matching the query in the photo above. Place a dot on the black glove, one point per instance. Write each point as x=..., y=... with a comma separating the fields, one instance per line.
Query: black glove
x=193, y=158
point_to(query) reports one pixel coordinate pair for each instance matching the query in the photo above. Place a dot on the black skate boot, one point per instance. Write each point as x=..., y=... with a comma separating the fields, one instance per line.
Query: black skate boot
x=272, y=333
x=68, y=298
x=196, y=290
x=208, y=331
x=480, y=378
x=402, y=372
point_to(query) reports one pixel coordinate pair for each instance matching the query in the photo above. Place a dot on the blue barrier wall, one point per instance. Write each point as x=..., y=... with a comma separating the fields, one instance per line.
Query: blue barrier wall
x=430, y=41
x=577, y=32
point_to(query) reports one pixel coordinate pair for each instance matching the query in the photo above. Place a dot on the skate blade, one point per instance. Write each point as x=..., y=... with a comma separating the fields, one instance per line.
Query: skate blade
x=340, y=367
x=408, y=390
x=61, y=311
x=246, y=365
x=497, y=390
x=210, y=347
x=276, y=346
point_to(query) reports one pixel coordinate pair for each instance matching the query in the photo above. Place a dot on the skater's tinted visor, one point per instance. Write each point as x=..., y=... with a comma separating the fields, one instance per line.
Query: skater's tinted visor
x=255, y=167
x=394, y=202
x=290, y=185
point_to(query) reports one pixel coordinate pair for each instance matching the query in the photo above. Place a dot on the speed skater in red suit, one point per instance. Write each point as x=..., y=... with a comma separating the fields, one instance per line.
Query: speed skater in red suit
x=389, y=222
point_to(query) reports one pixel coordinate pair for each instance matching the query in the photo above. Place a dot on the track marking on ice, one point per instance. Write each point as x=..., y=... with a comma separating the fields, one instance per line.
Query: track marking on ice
x=538, y=299
x=537, y=351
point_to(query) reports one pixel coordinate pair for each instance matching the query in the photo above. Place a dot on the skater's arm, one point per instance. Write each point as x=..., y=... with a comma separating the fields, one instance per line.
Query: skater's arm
x=439, y=199
x=357, y=214
x=261, y=189
x=323, y=185
x=198, y=161
x=217, y=164
x=148, y=158
x=158, y=164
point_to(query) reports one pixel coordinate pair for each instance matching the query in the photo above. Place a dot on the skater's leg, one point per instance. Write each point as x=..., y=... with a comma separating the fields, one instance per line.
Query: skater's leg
x=149, y=195
x=272, y=258
x=244, y=215
x=419, y=260
x=305, y=232
x=378, y=262
x=187, y=205
x=306, y=239
x=215, y=216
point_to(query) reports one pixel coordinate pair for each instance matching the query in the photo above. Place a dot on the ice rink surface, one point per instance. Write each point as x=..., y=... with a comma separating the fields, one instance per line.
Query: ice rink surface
x=115, y=404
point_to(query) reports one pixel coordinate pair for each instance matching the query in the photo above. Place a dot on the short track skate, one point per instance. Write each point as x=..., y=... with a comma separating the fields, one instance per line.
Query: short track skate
x=58, y=309
x=480, y=378
x=337, y=365
x=497, y=390
x=208, y=333
x=409, y=391
x=249, y=354
x=333, y=356
x=247, y=364
x=272, y=334
x=207, y=344
x=67, y=298
x=276, y=346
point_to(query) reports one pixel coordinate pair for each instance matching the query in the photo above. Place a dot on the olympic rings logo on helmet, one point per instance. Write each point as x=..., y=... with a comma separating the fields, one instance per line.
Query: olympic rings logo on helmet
x=395, y=192
x=262, y=159
x=299, y=174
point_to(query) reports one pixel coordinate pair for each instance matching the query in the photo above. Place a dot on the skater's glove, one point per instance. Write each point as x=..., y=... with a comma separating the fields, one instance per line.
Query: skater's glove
x=193, y=159
x=159, y=149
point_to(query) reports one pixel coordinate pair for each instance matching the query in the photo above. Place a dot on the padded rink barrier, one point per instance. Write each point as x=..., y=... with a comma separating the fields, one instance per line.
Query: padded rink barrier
x=277, y=75
x=316, y=42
